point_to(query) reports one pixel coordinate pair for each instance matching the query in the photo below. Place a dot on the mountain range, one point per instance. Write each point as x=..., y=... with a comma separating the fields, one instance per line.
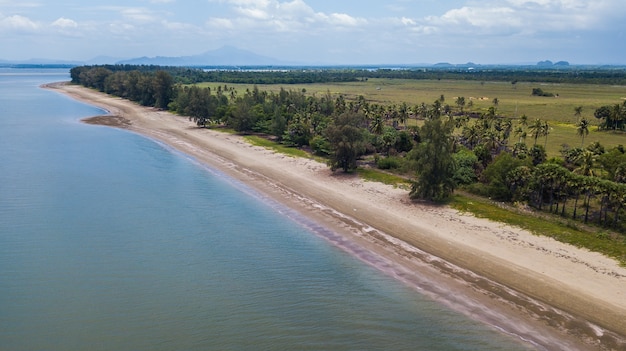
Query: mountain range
x=224, y=56
x=231, y=56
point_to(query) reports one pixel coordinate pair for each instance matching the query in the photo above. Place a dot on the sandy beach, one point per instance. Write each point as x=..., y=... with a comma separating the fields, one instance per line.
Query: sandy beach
x=554, y=295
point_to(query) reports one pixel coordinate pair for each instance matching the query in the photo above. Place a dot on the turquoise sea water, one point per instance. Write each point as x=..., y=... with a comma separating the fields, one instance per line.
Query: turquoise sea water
x=110, y=241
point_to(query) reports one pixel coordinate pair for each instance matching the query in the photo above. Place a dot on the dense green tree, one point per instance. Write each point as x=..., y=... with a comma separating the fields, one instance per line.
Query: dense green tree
x=466, y=165
x=582, y=128
x=298, y=131
x=537, y=154
x=495, y=176
x=434, y=162
x=346, y=136
x=163, y=89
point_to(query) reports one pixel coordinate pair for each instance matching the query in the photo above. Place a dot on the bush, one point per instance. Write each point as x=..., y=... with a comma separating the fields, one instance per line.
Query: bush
x=540, y=92
x=391, y=162
x=320, y=146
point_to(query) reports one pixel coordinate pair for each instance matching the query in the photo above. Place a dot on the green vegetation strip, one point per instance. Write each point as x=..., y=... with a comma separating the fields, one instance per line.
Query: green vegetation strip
x=374, y=175
x=277, y=147
x=595, y=239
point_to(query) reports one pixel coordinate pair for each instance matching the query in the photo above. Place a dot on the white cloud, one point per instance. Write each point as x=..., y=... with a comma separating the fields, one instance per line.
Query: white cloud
x=64, y=23
x=139, y=15
x=519, y=17
x=19, y=23
x=286, y=16
x=407, y=21
x=342, y=19
x=220, y=23
x=121, y=28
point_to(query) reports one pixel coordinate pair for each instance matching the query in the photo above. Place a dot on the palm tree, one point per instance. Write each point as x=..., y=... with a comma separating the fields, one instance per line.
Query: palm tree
x=546, y=131
x=378, y=124
x=403, y=113
x=491, y=141
x=521, y=133
x=578, y=110
x=536, y=129
x=472, y=135
x=586, y=161
x=583, y=130
x=507, y=128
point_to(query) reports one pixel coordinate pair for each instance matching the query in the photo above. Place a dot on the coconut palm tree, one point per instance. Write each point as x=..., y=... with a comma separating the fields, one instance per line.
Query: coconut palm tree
x=521, y=133
x=546, y=132
x=523, y=121
x=578, y=110
x=403, y=114
x=583, y=129
x=472, y=135
x=586, y=161
x=536, y=129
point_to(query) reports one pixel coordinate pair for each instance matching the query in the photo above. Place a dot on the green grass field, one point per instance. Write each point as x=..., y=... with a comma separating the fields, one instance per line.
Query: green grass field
x=514, y=101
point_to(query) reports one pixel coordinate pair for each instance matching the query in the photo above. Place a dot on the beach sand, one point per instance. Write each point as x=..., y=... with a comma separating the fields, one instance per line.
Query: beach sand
x=554, y=295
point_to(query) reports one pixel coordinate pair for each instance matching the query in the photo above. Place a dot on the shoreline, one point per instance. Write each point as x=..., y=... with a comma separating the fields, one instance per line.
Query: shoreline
x=531, y=287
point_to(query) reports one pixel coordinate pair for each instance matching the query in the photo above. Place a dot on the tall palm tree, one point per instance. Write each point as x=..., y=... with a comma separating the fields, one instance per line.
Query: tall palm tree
x=578, y=110
x=403, y=114
x=546, y=131
x=378, y=123
x=536, y=129
x=521, y=133
x=586, y=161
x=472, y=135
x=523, y=121
x=583, y=129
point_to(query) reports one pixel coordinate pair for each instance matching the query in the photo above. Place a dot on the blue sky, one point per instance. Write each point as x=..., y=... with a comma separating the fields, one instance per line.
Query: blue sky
x=320, y=31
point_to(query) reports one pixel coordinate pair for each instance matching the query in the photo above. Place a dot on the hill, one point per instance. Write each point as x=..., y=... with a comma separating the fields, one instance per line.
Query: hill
x=224, y=56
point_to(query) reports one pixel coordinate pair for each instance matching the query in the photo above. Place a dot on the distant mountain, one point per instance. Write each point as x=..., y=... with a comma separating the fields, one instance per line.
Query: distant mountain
x=225, y=56
x=103, y=60
x=41, y=62
x=548, y=63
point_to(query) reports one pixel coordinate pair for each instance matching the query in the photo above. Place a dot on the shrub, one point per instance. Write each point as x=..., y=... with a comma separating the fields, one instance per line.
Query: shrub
x=391, y=162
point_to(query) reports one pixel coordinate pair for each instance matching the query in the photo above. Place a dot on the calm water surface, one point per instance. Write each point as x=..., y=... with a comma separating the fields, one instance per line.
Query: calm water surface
x=110, y=241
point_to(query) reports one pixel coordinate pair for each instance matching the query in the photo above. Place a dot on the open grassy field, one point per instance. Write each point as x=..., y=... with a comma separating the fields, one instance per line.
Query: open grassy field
x=514, y=100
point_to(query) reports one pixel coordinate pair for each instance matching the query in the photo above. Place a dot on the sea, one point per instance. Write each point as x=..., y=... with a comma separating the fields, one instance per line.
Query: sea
x=113, y=241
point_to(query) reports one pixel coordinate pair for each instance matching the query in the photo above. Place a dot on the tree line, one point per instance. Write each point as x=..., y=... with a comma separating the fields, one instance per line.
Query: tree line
x=484, y=152
x=307, y=75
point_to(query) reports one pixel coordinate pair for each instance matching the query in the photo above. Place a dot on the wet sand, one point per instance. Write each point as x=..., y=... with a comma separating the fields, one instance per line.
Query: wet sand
x=555, y=296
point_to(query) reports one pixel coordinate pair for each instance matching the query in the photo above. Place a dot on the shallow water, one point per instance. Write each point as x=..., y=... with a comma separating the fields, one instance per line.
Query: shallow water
x=110, y=241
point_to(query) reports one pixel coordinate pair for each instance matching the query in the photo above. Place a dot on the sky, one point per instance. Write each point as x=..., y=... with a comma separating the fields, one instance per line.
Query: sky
x=320, y=31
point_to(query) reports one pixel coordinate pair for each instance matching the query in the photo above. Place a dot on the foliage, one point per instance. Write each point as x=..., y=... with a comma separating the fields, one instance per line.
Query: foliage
x=373, y=175
x=497, y=176
x=390, y=162
x=434, y=161
x=268, y=144
x=612, y=116
x=582, y=184
x=540, y=92
x=346, y=136
x=466, y=167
